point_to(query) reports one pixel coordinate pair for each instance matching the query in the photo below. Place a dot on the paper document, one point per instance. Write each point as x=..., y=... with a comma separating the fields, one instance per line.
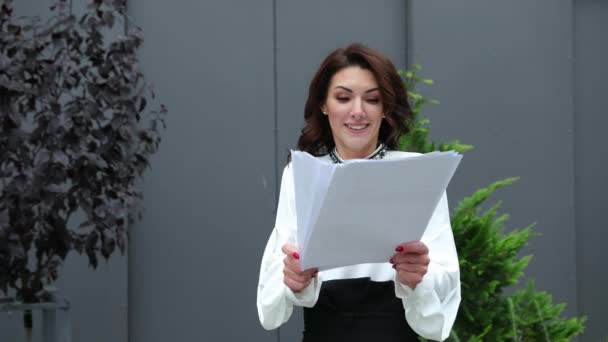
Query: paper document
x=357, y=212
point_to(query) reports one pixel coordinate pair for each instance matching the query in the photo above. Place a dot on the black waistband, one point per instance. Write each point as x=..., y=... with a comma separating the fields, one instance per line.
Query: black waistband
x=357, y=310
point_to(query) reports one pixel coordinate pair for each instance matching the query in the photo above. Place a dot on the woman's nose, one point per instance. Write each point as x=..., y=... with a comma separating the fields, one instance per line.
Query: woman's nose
x=357, y=109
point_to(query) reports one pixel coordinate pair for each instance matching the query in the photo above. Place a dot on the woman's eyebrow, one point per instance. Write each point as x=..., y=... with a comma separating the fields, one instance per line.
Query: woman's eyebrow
x=350, y=90
x=344, y=88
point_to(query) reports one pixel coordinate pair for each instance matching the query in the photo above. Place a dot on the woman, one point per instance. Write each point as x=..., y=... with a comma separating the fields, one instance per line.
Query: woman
x=357, y=108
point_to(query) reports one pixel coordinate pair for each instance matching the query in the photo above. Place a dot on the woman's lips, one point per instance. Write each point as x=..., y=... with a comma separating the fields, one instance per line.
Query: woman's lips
x=357, y=127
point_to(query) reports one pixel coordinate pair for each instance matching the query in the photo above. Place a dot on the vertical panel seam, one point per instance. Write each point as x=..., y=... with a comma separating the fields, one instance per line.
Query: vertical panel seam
x=275, y=100
x=275, y=116
x=408, y=33
x=577, y=250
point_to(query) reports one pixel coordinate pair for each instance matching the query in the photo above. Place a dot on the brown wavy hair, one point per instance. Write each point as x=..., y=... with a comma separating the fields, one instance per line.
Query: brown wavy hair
x=316, y=137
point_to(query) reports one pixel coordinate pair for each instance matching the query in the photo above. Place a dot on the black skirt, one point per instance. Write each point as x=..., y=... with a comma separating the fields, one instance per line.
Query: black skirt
x=357, y=310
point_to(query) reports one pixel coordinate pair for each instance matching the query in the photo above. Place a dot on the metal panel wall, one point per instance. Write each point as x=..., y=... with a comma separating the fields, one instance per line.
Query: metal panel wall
x=591, y=120
x=503, y=73
x=210, y=198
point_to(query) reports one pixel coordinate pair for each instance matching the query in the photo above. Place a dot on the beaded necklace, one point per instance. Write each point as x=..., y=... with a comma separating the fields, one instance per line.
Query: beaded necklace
x=377, y=154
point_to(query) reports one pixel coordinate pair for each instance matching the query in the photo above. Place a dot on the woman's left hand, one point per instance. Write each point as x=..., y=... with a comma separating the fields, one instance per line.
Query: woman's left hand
x=411, y=262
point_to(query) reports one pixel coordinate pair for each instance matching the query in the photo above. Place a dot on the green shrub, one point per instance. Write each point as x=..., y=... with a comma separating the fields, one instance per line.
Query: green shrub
x=489, y=257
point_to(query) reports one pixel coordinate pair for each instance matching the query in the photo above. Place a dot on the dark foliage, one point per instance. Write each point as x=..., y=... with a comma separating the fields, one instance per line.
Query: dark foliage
x=75, y=135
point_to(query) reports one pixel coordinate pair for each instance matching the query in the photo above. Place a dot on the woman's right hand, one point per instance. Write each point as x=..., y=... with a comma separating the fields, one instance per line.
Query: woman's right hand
x=294, y=277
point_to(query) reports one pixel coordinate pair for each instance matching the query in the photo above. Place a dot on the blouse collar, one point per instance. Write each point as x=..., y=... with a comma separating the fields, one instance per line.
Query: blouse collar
x=378, y=153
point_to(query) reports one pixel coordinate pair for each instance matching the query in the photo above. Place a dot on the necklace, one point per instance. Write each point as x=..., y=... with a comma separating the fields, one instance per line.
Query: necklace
x=377, y=154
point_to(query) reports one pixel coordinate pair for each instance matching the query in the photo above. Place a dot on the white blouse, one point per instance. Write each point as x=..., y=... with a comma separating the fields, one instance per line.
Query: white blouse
x=430, y=309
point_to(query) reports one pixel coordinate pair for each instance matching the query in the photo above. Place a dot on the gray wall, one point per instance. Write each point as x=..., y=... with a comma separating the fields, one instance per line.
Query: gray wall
x=591, y=161
x=524, y=82
x=194, y=259
x=519, y=80
x=503, y=73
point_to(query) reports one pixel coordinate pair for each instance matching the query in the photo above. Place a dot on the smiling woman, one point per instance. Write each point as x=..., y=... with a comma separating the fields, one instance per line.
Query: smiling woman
x=357, y=108
x=359, y=82
x=355, y=112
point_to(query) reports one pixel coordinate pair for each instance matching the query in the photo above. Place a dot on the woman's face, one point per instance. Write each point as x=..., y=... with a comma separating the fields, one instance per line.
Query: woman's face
x=355, y=110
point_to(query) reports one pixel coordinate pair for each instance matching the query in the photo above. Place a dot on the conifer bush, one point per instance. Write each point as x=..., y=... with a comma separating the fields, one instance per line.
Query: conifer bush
x=489, y=257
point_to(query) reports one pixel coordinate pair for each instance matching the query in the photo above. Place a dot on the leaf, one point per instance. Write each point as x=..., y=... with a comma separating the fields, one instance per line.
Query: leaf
x=14, y=29
x=92, y=258
x=14, y=117
x=86, y=223
x=142, y=104
x=121, y=242
x=58, y=188
x=91, y=247
x=61, y=158
x=91, y=240
x=4, y=220
x=107, y=247
x=108, y=18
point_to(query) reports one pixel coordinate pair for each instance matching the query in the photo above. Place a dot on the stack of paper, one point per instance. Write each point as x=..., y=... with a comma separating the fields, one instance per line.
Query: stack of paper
x=357, y=212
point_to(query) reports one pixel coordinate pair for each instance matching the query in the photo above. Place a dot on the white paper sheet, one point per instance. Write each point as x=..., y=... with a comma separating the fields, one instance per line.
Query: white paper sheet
x=357, y=212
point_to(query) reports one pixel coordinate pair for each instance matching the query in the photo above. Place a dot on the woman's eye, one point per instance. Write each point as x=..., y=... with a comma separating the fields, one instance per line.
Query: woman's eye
x=342, y=99
x=373, y=100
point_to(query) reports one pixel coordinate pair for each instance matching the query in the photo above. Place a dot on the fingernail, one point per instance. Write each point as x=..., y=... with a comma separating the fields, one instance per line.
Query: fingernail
x=296, y=255
x=394, y=266
x=314, y=275
x=392, y=261
x=399, y=249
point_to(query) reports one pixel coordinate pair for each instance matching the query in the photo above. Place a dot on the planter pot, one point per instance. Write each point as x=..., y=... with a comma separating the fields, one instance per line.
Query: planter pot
x=56, y=325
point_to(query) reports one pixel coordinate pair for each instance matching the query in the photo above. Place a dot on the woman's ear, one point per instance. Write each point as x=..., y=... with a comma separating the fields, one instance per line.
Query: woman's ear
x=324, y=109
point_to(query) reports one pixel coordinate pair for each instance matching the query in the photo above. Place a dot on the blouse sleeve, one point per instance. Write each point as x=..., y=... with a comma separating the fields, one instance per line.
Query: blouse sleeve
x=431, y=308
x=275, y=300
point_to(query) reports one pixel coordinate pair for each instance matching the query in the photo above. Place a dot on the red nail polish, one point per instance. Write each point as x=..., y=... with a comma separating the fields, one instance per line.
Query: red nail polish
x=394, y=266
x=392, y=261
x=314, y=275
x=399, y=249
x=296, y=255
